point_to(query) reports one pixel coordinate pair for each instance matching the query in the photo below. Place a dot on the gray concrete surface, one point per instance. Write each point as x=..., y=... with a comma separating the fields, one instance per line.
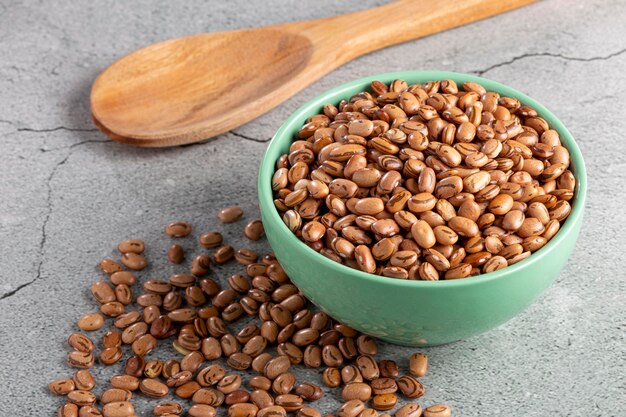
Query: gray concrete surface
x=68, y=195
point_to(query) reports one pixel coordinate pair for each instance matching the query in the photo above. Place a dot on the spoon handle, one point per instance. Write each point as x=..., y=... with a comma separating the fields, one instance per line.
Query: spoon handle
x=355, y=34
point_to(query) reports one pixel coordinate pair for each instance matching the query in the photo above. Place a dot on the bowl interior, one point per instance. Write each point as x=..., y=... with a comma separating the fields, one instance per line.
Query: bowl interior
x=287, y=132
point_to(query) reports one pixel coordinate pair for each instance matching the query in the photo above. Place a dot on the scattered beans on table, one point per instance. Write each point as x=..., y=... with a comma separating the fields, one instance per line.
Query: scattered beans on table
x=193, y=312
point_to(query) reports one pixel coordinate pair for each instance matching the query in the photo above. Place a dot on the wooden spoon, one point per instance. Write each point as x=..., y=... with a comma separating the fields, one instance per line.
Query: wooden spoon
x=189, y=89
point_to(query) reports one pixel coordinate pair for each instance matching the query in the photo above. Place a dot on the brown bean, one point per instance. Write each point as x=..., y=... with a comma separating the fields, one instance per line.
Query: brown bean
x=445, y=235
x=144, y=344
x=68, y=410
x=237, y=397
x=383, y=386
x=258, y=363
x=135, y=330
x=118, y=409
x=222, y=255
x=312, y=356
x=463, y=226
x=290, y=402
x=272, y=411
x=134, y=366
x=530, y=226
x=370, y=412
x=368, y=367
x=356, y=391
x=168, y=407
x=351, y=373
x=365, y=259
x=351, y=408
x=211, y=240
x=261, y=398
x=284, y=383
x=239, y=361
x=476, y=182
x=305, y=337
x=331, y=377
x=81, y=398
x=61, y=386
x=91, y=322
x=369, y=206
x=115, y=395
x=438, y=410
x=463, y=270
x=418, y=364
x=102, y=292
x=421, y=202
x=230, y=214
x=112, y=309
x=254, y=230
x=84, y=380
x=81, y=360
x=410, y=387
x=201, y=410
x=123, y=294
x=208, y=396
x=309, y=391
x=331, y=355
x=384, y=402
x=188, y=389
x=89, y=411
x=81, y=343
x=111, y=355
x=423, y=234
x=513, y=220
x=125, y=382
x=276, y=366
x=176, y=254
x=260, y=383
x=409, y=410
x=201, y=264
x=388, y=368
x=308, y=412
x=109, y=266
x=134, y=261
x=449, y=187
x=178, y=229
x=123, y=277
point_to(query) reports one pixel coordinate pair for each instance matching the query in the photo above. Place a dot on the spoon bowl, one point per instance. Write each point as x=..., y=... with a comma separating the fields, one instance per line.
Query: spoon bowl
x=171, y=91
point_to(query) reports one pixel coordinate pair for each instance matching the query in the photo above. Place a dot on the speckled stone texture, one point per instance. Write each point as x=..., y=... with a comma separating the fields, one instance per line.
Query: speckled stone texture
x=68, y=195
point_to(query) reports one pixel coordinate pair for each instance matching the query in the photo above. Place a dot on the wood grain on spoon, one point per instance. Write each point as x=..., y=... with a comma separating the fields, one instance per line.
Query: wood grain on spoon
x=189, y=89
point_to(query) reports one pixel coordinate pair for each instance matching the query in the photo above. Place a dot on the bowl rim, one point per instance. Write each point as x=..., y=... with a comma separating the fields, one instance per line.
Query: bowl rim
x=335, y=94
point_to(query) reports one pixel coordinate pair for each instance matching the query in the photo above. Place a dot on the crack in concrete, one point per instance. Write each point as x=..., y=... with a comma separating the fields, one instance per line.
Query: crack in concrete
x=551, y=55
x=71, y=148
x=242, y=136
x=76, y=129
x=44, y=225
x=56, y=129
x=239, y=135
x=73, y=145
x=47, y=130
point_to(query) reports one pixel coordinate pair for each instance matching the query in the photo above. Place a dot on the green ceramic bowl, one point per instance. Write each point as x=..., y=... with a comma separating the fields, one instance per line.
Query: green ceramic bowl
x=416, y=313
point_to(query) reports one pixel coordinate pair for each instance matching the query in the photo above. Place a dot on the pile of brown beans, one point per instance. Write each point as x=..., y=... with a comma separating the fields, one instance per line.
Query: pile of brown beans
x=192, y=312
x=425, y=181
